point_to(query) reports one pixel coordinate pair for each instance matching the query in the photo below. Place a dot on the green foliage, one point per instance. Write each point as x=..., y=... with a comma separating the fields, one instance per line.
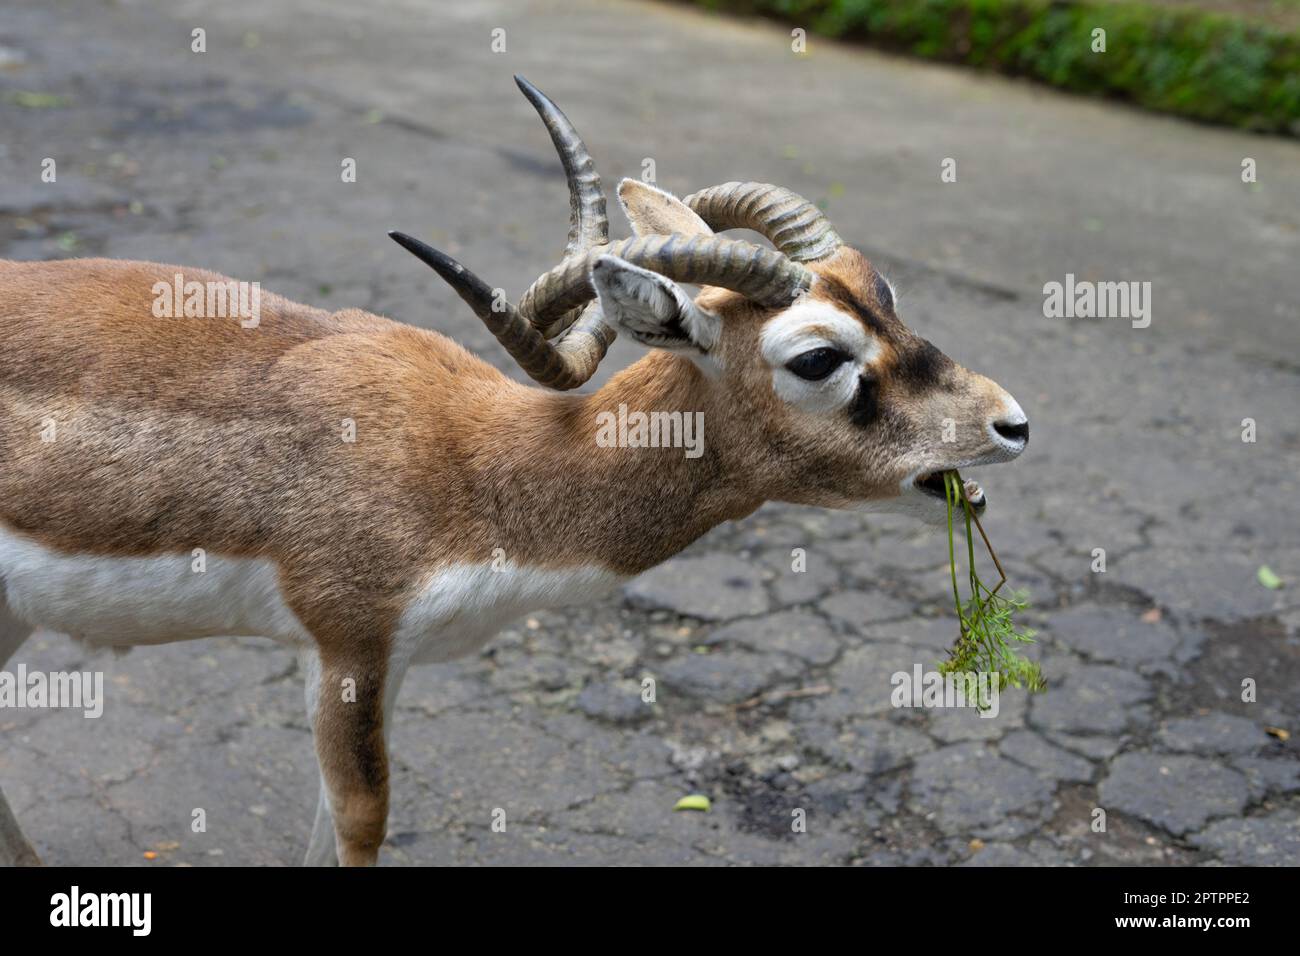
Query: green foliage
x=988, y=632
x=1203, y=65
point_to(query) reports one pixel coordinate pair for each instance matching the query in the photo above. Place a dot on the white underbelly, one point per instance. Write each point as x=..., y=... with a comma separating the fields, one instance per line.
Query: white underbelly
x=121, y=602
x=460, y=607
x=154, y=600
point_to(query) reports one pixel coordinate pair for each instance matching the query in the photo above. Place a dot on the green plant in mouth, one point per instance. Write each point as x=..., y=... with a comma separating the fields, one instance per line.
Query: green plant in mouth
x=989, y=634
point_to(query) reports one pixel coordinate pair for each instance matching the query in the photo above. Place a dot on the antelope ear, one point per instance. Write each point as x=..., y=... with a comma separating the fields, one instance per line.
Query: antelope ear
x=654, y=212
x=654, y=310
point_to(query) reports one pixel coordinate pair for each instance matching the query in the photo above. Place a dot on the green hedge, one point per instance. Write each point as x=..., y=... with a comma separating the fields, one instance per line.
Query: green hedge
x=1207, y=66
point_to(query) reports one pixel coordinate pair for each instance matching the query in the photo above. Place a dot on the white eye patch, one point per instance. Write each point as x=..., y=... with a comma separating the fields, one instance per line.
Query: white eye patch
x=813, y=324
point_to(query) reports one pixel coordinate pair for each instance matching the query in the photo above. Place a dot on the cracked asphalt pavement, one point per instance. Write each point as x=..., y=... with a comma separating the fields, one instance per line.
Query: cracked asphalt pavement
x=772, y=685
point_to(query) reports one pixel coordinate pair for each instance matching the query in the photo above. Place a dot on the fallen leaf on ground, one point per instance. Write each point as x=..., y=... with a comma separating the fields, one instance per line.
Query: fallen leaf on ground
x=694, y=801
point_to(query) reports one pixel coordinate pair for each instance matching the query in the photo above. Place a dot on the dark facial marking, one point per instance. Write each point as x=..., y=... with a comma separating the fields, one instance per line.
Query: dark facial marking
x=921, y=366
x=866, y=403
x=842, y=297
x=878, y=326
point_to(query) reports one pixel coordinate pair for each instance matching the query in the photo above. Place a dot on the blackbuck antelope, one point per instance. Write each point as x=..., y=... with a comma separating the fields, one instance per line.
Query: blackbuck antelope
x=354, y=482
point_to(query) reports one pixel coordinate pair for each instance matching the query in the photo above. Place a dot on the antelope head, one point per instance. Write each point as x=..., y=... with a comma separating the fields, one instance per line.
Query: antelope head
x=829, y=397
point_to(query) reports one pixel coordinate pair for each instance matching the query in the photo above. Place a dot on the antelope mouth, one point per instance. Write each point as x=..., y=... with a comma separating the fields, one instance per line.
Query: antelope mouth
x=931, y=483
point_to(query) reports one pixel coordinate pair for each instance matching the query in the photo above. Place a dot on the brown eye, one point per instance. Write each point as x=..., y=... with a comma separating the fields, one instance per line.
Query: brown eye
x=816, y=364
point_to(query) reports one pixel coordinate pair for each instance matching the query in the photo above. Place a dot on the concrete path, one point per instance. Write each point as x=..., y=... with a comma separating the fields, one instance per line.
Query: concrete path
x=772, y=685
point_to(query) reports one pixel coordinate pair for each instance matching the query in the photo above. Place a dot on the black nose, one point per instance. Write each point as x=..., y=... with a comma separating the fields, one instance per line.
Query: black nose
x=1018, y=432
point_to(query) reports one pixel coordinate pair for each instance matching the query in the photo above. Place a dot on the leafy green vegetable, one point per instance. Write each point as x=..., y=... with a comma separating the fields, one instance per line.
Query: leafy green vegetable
x=989, y=634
